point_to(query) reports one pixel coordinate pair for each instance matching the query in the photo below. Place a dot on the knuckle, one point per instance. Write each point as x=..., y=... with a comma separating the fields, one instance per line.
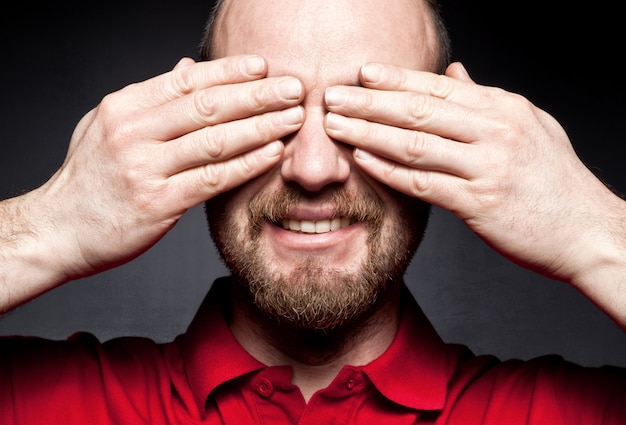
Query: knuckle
x=523, y=104
x=133, y=186
x=146, y=202
x=213, y=143
x=415, y=147
x=487, y=196
x=259, y=97
x=206, y=105
x=120, y=132
x=211, y=178
x=505, y=132
x=440, y=86
x=182, y=81
x=247, y=166
x=492, y=192
x=419, y=182
x=108, y=106
x=508, y=131
x=402, y=75
x=367, y=105
x=419, y=108
x=115, y=130
x=232, y=68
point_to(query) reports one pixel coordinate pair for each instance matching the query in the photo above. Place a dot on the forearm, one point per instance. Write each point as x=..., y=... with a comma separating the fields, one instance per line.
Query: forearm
x=606, y=287
x=27, y=252
x=602, y=278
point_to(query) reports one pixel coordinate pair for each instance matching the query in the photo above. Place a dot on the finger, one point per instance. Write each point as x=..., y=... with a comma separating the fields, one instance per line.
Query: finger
x=414, y=111
x=455, y=86
x=183, y=62
x=222, y=104
x=457, y=70
x=188, y=77
x=439, y=189
x=412, y=148
x=218, y=143
x=199, y=184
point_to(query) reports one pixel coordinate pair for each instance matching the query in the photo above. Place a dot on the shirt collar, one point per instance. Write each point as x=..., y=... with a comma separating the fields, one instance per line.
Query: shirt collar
x=412, y=372
x=211, y=353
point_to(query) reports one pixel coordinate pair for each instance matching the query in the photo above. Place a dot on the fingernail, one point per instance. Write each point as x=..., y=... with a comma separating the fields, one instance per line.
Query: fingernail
x=292, y=116
x=372, y=73
x=363, y=155
x=335, y=96
x=254, y=65
x=272, y=150
x=290, y=88
x=335, y=122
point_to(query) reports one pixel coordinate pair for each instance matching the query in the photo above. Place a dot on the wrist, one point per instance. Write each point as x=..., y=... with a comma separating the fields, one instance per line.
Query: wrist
x=601, y=271
x=30, y=252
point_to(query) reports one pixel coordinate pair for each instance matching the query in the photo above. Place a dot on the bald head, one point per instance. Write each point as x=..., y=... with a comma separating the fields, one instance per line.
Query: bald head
x=332, y=27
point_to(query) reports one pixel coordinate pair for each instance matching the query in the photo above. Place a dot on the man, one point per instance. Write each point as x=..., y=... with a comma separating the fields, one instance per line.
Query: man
x=317, y=229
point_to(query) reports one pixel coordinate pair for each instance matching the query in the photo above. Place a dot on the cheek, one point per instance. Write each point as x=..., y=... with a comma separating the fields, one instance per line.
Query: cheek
x=406, y=220
x=226, y=216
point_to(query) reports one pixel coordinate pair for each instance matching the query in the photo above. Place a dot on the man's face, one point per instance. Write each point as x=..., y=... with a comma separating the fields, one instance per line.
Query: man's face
x=315, y=240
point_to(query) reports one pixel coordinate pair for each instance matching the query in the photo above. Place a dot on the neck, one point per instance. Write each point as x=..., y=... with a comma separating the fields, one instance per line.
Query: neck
x=316, y=356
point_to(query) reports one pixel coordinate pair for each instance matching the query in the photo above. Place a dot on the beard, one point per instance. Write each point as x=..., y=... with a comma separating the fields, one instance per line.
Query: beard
x=312, y=296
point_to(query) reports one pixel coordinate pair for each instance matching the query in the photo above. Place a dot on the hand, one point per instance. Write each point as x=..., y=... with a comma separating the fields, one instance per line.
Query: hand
x=154, y=149
x=503, y=166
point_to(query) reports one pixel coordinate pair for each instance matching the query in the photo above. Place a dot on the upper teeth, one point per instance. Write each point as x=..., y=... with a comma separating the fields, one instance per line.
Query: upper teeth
x=321, y=226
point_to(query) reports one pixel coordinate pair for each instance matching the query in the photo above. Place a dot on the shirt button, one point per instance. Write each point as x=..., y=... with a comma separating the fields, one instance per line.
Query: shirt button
x=264, y=387
x=350, y=383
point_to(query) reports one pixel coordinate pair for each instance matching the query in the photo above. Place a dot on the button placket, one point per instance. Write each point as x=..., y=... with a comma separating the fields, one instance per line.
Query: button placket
x=264, y=387
x=352, y=381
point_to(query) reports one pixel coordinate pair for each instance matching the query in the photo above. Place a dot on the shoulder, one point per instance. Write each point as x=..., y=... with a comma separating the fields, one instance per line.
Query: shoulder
x=548, y=388
x=94, y=375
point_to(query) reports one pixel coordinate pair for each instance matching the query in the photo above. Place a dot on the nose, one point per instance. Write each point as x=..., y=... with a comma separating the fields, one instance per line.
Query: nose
x=312, y=159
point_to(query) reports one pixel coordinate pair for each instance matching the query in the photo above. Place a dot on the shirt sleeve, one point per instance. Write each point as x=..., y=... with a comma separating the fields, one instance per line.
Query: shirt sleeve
x=546, y=390
x=83, y=381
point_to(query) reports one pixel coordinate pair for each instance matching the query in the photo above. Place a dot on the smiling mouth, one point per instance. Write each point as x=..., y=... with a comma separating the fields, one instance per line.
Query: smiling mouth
x=315, y=227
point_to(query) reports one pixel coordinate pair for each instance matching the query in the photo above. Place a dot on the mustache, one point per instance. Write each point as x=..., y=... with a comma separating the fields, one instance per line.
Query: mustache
x=365, y=206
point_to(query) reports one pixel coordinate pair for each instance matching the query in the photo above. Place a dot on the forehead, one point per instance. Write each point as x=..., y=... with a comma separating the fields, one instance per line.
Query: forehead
x=328, y=38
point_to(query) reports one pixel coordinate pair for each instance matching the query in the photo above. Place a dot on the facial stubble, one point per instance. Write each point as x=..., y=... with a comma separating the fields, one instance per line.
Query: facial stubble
x=313, y=296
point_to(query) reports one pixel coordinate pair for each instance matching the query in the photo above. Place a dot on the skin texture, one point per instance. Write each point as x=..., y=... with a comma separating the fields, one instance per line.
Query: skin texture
x=137, y=162
x=307, y=95
x=313, y=163
x=540, y=210
x=442, y=139
x=316, y=268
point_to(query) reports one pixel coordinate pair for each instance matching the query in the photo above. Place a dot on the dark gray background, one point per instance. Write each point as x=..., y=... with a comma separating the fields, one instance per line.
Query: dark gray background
x=59, y=61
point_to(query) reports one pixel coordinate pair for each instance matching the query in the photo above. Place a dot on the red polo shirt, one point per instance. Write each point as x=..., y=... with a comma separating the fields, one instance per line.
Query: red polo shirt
x=205, y=376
